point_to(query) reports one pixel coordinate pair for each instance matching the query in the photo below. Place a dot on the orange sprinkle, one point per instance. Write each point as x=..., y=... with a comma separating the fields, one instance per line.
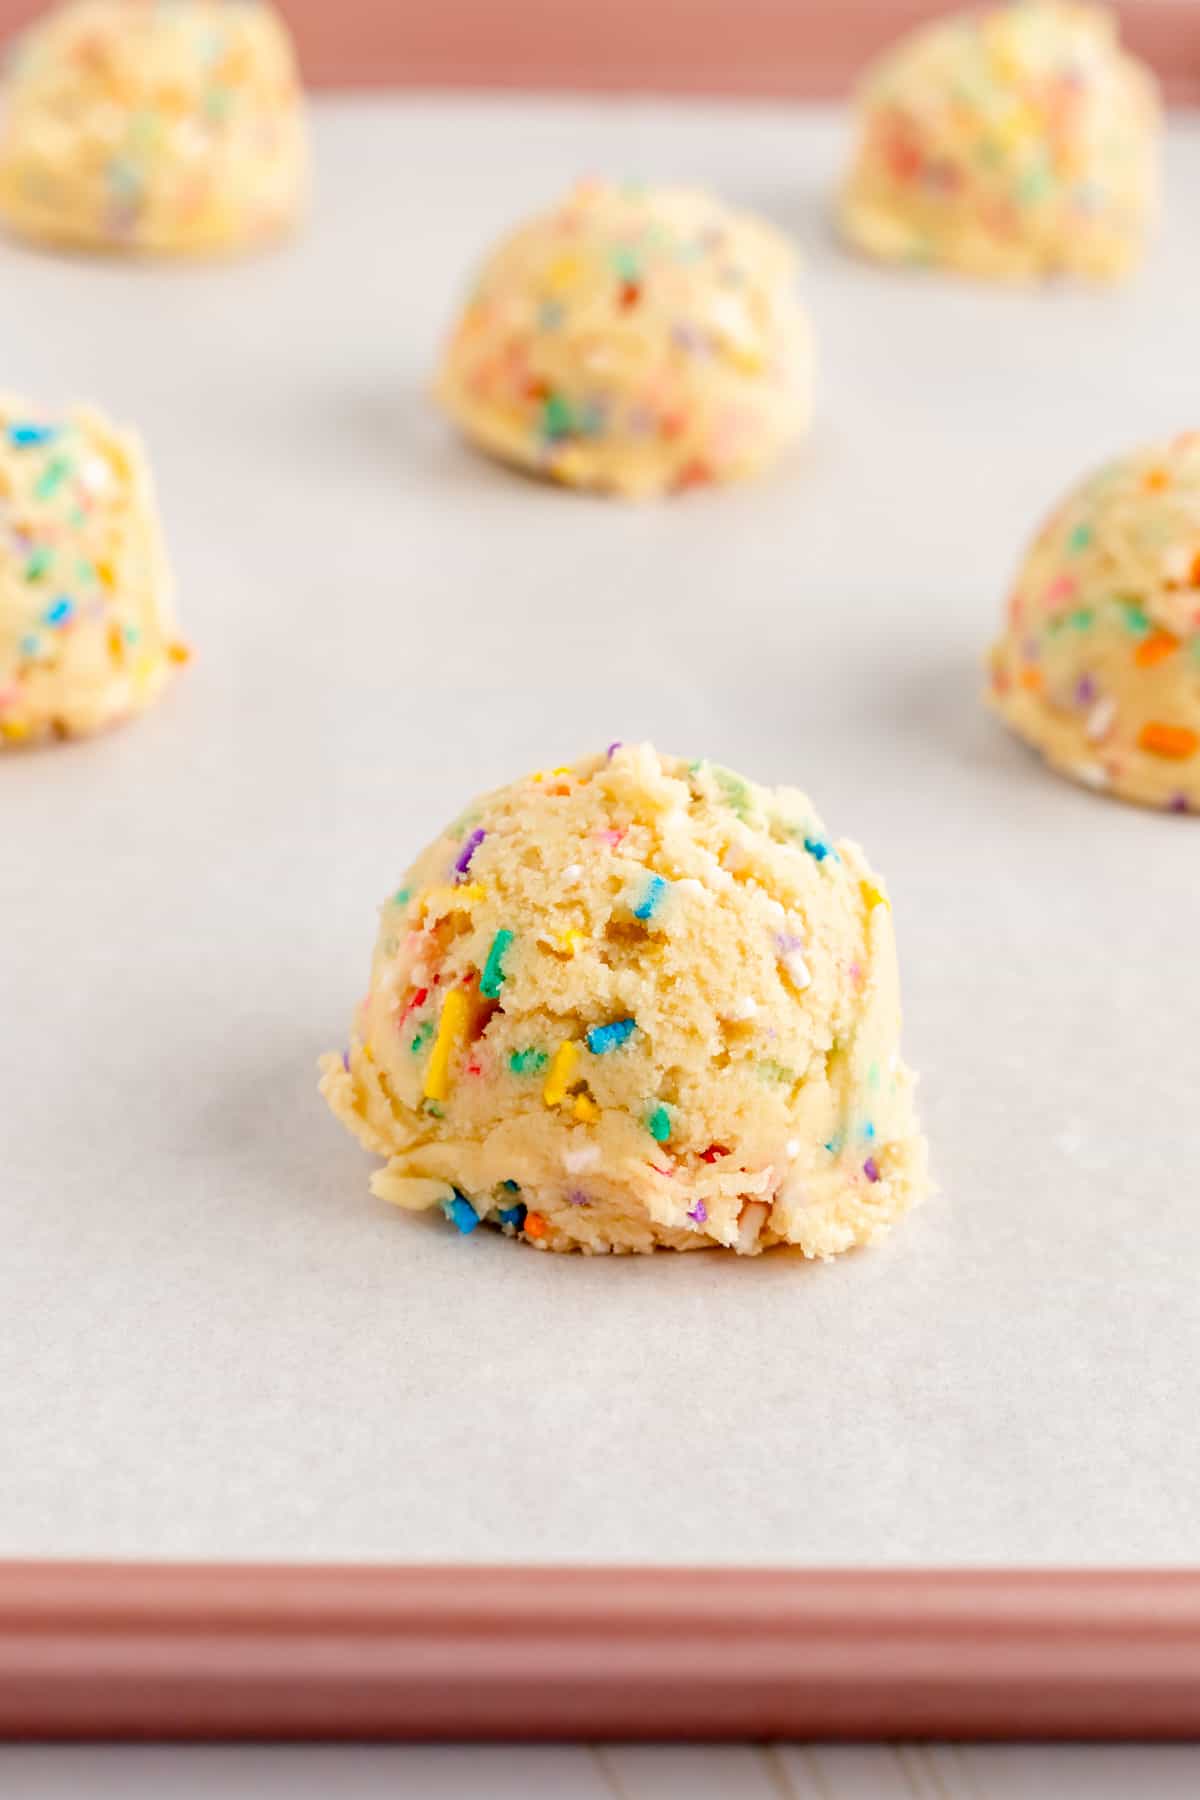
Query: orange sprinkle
x=1195, y=572
x=535, y=1225
x=1033, y=679
x=179, y=653
x=1175, y=742
x=1156, y=480
x=1155, y=649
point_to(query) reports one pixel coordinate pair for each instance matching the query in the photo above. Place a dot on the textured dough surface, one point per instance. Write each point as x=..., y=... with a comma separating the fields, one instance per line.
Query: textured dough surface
x=1099, y=664
x=1016, y=142
x=86, y=626
x=172, y=127
x=632, y=1003
x=634, y=340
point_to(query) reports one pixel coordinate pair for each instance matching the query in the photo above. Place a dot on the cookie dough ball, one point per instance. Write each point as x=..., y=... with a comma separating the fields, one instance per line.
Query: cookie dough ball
x=635, y=340
x=169, y=127
x=638, y=1002
x=86, y=630
x=1016, y=142
x=1099, y=667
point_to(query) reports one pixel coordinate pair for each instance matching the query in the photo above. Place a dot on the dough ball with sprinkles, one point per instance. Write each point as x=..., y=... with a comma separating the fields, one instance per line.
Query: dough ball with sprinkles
x=1016, y=142
x=171, y=126
x=1098, y=666
x=86, y=629
x=634, y=341
x=637, y=1003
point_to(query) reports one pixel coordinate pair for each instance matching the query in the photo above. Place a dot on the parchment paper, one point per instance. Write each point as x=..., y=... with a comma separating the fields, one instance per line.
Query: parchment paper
x=213, y=1342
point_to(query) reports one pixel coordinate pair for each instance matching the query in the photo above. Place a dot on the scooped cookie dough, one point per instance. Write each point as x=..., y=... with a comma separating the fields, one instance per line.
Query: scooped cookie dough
x=171, y=127
x=1011, y=143
x=1099, y=666
x=633, y=1003
x=635, y=340
x=86, y=629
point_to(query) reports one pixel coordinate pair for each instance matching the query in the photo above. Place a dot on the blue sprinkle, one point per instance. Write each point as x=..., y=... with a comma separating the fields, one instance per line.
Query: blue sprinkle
x=23, y=437
x=648, y=906
x=610, y=1037
x=511, y=1187
x=30, y=644
x=819, y=848
x=868, y=1131
x=835, y=1143
x=59, y=611
x=460, y=1212
x=512, y=1215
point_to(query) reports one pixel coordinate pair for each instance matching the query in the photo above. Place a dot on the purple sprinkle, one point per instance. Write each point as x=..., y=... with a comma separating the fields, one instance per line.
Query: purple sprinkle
x=462, y=862
x=788, y=942
x=871, y=1169
x=1085, y=690
x=699, y=1212
x=1179, y=803
x=612, y=749
x=346, y=1061
x=577, y=1197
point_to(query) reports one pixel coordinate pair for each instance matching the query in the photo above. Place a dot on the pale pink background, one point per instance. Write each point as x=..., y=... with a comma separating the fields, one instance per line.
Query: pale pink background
x=779, y=47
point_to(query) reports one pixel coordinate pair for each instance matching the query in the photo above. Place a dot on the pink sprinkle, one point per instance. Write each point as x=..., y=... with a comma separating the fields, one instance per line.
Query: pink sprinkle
x=1061, y=588
x=669, y=1173
x=611, y=837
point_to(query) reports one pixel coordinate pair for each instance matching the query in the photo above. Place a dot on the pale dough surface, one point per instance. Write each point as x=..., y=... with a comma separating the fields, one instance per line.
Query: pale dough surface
x=1099, y=663
x=634, y=340
x=1016, y=142
x=87, y=633
x=638, y=1002
x=173, y=128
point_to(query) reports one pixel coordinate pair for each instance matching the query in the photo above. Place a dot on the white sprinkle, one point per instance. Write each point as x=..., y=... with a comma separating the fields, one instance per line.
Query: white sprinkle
x=675, y=820
x=1091, y=774
x=574, y=1161
x=95, y=474
x=744, y=1007
x=1177, y=562
x=1101, y=719
x=689, y=885
x=572, y=872
x=775, y=910
x=798, y=970
x=793, y=1148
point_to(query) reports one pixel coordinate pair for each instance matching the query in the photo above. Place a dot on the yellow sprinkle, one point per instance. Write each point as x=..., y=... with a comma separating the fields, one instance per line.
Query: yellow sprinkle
x=369, y=1053
x=145, y=669
x=872, y=897
x=106, y=573
x=558, y=1077
x=743, y=358
x=15, y=730
x=452, y=899
x=570, y=940
x=451, y=1029
x=563, y=273
x=563, y=769
x=586, y=1109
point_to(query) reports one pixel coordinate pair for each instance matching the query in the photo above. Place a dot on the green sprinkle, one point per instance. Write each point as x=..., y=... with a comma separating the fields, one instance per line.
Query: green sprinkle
x=658, y=1124
x=556, y=417
x=432, y=1107
x=85, y=571
x=52, y=477
x=528, y=1062
x=39, y=561
x=422, y=1038
x=1083, y=618
x=1080, y=538
x=627, y=264
x=1135, y=616
x=492, y=979
x=735, y=790
x=401, y=897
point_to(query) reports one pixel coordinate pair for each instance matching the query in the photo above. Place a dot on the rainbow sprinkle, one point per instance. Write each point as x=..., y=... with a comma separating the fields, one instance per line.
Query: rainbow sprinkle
x=603, y=1038
x=493, y=977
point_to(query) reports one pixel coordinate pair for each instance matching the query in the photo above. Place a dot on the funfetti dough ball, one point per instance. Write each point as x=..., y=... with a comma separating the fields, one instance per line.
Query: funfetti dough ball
x=1099, y=667
x=635, y=1003
x=153, y=125
x=86, y=630
x=1015, y=142
x=634, y=340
